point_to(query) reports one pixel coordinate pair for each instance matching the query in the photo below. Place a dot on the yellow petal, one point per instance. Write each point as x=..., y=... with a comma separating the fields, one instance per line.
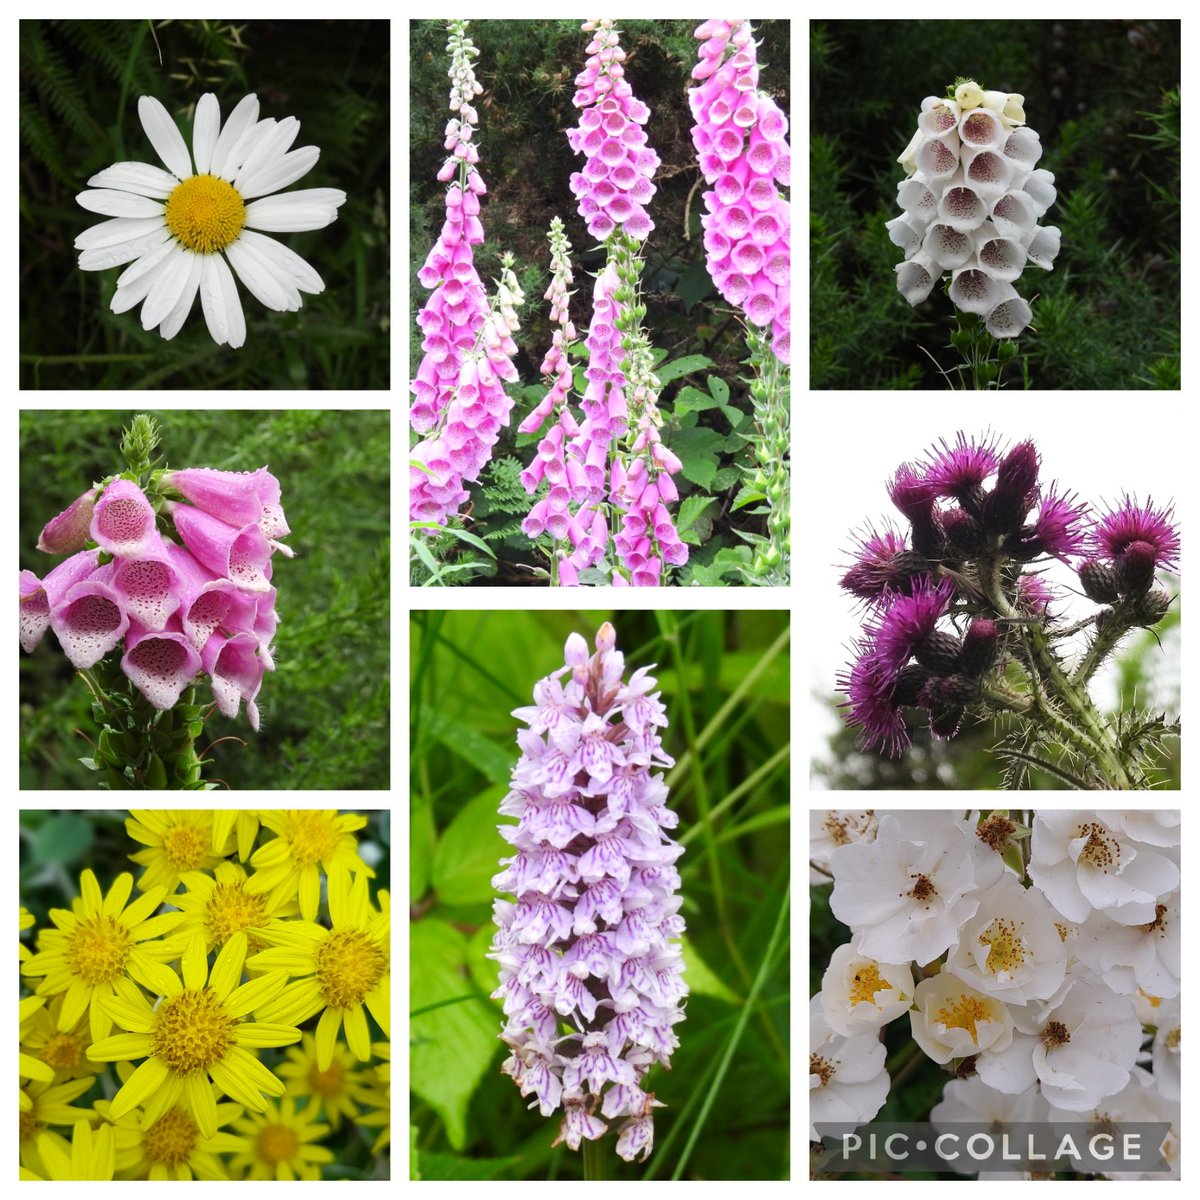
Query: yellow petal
x=195, y=963
x=357, y=1037
x=327, y=1031
x=198, y=1093
x=118, y=894
x=310, y=892
x=140, y=1086
x=75, y=1004
x=121, y=1047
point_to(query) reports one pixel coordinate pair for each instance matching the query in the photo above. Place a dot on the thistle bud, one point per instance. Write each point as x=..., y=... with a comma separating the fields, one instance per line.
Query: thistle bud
x=980, y=646
x=1152, y=607
x=1135, y=568
x=1099, y=581
x=940, y=653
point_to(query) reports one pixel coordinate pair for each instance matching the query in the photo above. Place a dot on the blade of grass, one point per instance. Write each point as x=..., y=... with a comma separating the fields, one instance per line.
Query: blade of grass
x=748, y=784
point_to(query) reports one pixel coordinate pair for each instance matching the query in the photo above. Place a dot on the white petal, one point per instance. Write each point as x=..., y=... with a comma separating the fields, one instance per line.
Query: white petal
x=176, y=317
x=118, y=204
x=233, y=304
x=286, y=261
x=122, y=252
x=279, y=173
x=129, y=295
x=245, y=147
x=219, y=299
x=325, y=197
x=244, y=114
x=291, y=212
x=144, y=264
x=165, y=137
x=172, y=275
x=259, y=280
x=281, y=277
x=205, y=130
x=119, y=229
x=272, y=147
x=140, y=178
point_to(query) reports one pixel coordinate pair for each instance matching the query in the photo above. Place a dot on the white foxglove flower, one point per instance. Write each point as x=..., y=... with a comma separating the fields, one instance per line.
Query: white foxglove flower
x=971, y=168
x=1082, y=864
x=860, y=995
x=952, y=1020
x=1132, y=957
x=907, y=894
x=847, y=1079
x=1011, y=948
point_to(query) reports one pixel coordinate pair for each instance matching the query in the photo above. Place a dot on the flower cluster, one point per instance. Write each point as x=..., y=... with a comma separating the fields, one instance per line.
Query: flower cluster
x=1038, y=964
x=955, y=606
x=588, y=942
x=199, y=981
x=740, y=137
x=614, y=186
x=197, y=600
x=972, y=200
x=458, y=393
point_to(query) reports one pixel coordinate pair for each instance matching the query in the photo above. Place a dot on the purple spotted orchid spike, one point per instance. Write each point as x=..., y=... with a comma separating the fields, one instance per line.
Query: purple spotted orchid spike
x=590, y=971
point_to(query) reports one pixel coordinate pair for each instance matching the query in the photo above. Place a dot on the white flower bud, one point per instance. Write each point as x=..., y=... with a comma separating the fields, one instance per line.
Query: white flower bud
x=968, y=94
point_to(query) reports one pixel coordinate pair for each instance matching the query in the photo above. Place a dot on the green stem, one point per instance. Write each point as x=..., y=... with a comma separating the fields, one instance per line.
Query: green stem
x=1103, y=643
x=595, y=1160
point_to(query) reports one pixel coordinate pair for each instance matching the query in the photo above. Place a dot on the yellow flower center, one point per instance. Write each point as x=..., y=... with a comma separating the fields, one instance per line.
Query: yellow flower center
x=1173, y=1037
x=349, y=965
x=277, y=1143
x=1101, y=850
x=965, y=1014
x=171, y=1139
x=63, y=1051
x=1055, y=1034
x=194, y=1031
x=231, y=908
x=29, y=1125
x=327, y=1083
x=821, y=1067
x=97, y=950
x=866, y=984
x=205, y=213
x=1006, y=951
x=314, y=837
x=186, y=847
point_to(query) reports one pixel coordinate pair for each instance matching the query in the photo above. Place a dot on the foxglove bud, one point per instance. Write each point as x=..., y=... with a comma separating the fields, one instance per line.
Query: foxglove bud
x=68, y=532
x=589, y=940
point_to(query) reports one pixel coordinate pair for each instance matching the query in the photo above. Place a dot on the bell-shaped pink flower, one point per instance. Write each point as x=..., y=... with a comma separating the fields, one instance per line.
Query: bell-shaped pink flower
x=238, y=554
x=148, y=584
x=89, y=619
x=209, y=602
x=123, y=521
x=160, y=663
x=38, y=596
x=68, y=532
x=236, y=497
x=236, y=670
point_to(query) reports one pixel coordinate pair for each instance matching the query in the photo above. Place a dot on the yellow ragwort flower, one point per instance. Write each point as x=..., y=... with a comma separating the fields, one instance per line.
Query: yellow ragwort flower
x=197, y=1031
x=219, y=905
x=28, y=1066
x=343, y=968
x=279, y=1144
x=64, y=1051
x=172, y=1147
x=287, y=866
x=379, y=1098
x=91, y=1155
x=335, y=1091
x=176, y=840
x=49, y=1104
x=99, y=947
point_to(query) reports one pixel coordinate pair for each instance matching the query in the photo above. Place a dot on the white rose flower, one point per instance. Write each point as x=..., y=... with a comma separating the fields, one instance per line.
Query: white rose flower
x=829, y=829
x=1128, y=957
x=906, y=899
x=1083, y=864
x=1011, y=948
x=973, y=1102
x=860, y=995
x=951, y=1020
x=847, y=1079
x=1165, y=1051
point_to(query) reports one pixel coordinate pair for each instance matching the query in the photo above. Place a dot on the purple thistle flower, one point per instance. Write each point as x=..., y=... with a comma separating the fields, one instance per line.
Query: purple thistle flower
x=960, y=469
x=882, y=564
x=590, y=941
x=1058, y=531
x=1035, y=595
x=909, y=622
x=869, y=683
x=1131, y=522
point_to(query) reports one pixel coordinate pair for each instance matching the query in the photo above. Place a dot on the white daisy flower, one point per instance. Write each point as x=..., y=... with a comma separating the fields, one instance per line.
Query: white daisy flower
x=182, y=229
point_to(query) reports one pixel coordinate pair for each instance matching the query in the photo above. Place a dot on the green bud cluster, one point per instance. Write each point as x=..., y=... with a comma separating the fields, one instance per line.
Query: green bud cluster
x=769, y=475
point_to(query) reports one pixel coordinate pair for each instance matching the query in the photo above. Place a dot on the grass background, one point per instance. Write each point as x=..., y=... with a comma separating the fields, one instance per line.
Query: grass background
x=725, y=681
x=325, y=710
x=80, y=82
x=1104, y=97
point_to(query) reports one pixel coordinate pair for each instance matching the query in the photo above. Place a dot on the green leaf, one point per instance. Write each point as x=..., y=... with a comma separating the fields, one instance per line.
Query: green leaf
x=471, y=746
x=691, y=400
x=469, y=851
x=719, y=389
x=748, y=495
x=699, y=450
x=482, y=968
x=694, y=284
x=422, y=838
x=700, y=978
x=690, y=512
x=452, y=1046
x=63, y=838
x=727, y=561
x=679, y=367
x=451, y=1166
x=461, y=534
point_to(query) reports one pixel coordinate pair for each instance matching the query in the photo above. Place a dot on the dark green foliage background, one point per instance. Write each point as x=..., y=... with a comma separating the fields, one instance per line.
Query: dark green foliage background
x=56, y=847
x=469, y=670
x=1104, y=97
x=80, y=83
x=325, y=710
x=527, y=69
